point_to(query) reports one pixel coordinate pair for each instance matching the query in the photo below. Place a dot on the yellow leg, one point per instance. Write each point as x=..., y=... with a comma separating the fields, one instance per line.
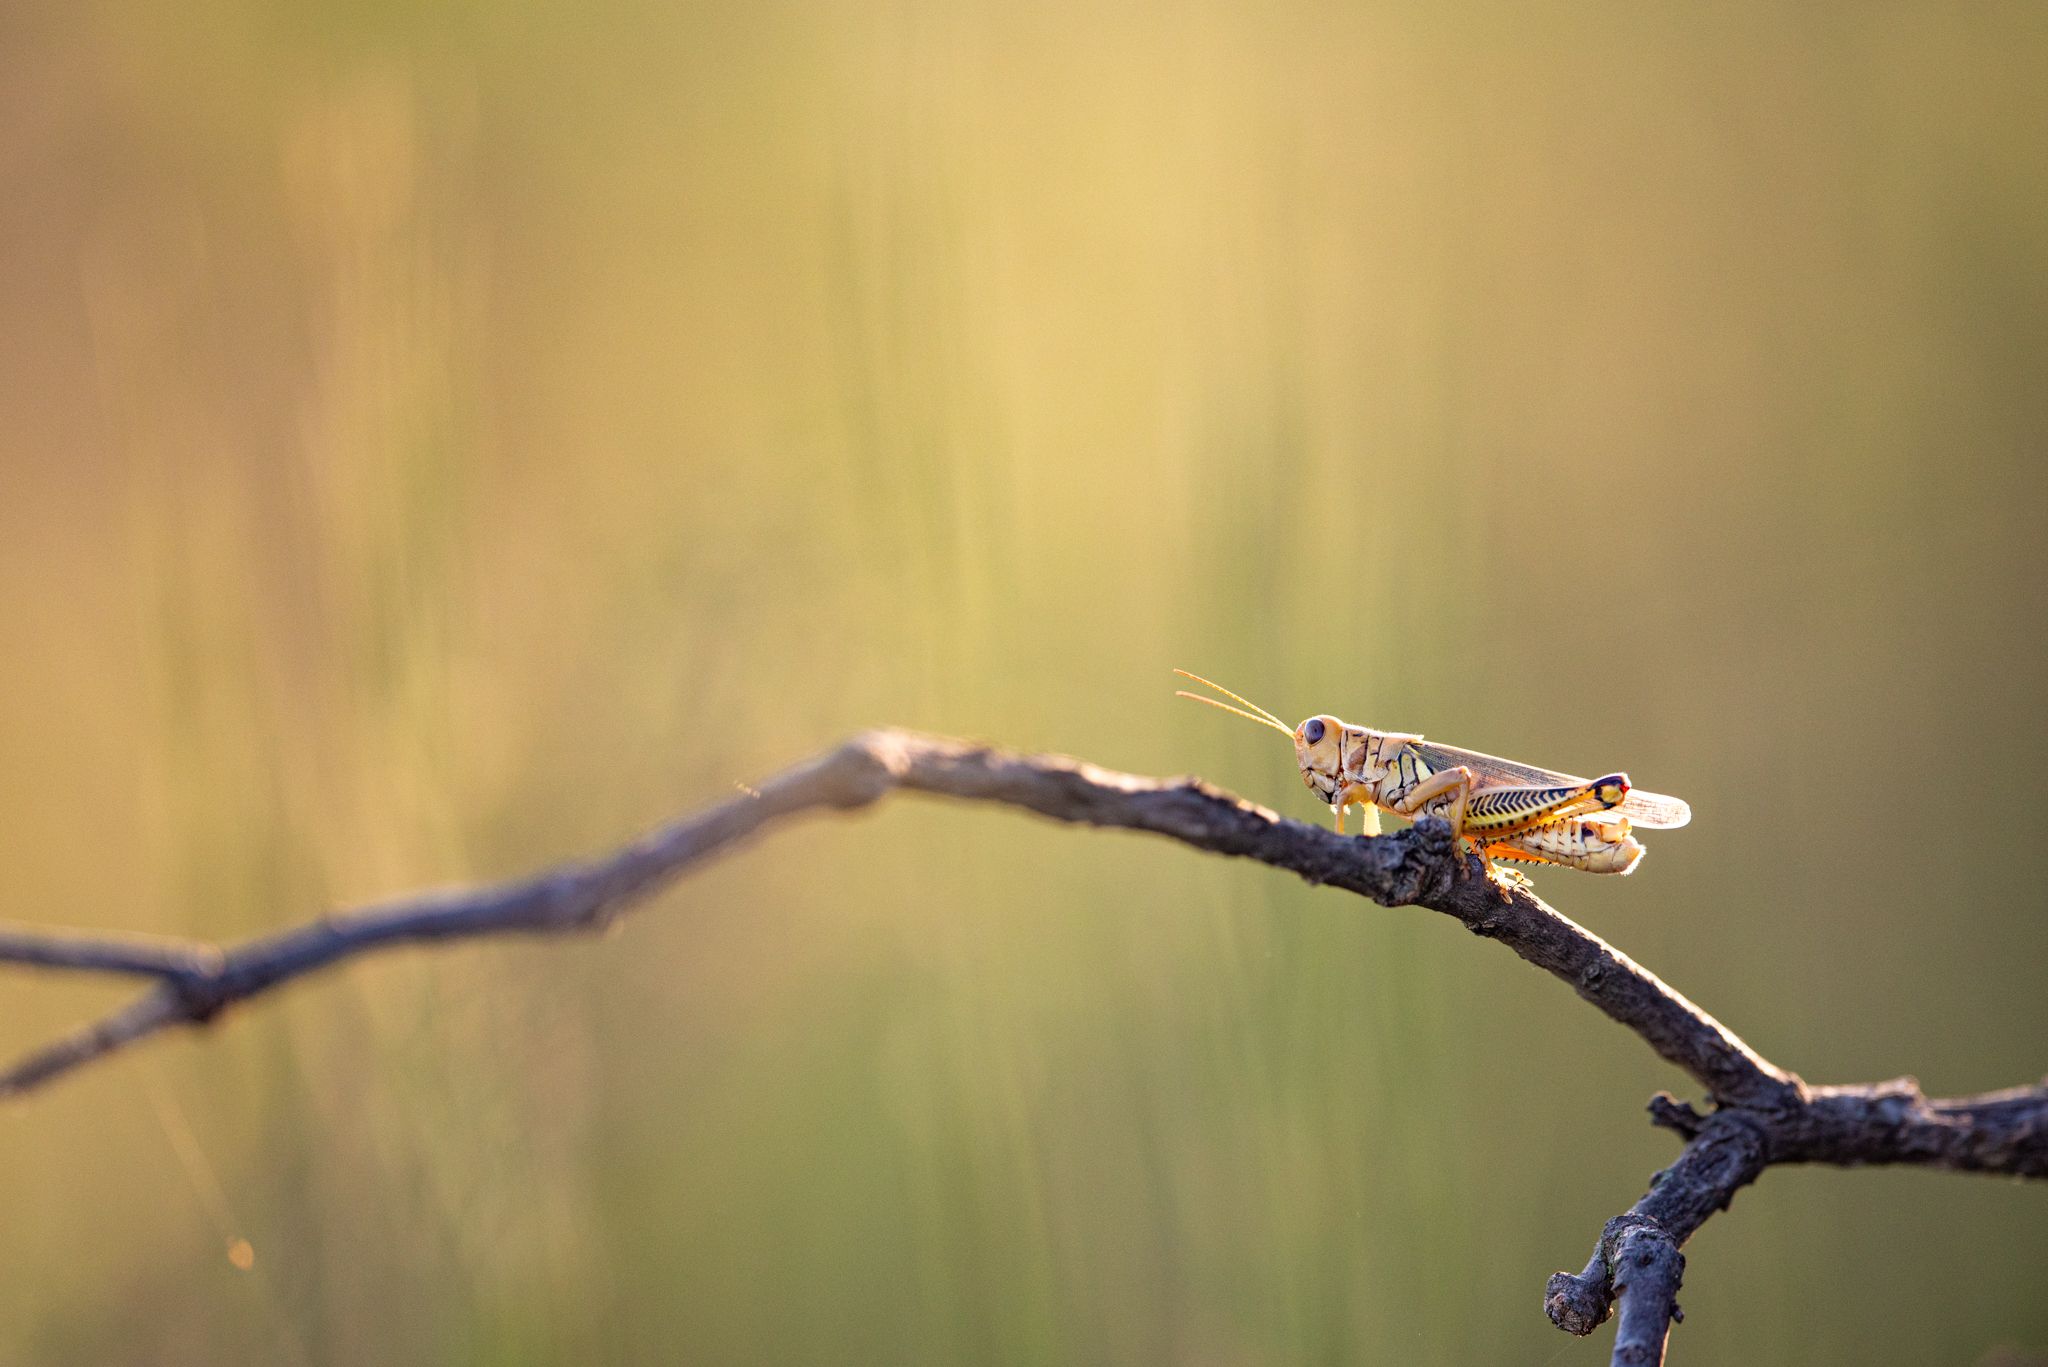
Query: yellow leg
x=1600, y=843
x=1504, y=812
x=1457, y=783
x=1360, y=796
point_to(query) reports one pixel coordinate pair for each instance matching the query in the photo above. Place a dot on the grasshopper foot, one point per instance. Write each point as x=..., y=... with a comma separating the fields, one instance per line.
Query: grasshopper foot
x=1497, y=873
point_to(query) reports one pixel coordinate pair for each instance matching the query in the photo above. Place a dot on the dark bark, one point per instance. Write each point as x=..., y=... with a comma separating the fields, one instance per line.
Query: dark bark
x=1762, y=1114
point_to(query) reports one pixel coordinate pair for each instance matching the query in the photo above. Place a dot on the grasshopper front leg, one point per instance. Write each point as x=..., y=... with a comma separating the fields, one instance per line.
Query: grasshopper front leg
x=1357, y=795
x=1360, y=796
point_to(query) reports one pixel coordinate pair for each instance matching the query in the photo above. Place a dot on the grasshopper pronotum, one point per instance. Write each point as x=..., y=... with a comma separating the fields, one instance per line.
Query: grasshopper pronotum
x=1507, y=810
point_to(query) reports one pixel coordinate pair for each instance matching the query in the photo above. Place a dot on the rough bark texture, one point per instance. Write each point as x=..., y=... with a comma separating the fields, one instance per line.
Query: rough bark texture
x=1762, y=1115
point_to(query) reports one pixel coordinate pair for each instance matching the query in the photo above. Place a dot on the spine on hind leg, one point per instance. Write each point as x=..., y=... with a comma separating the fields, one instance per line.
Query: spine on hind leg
x=1594, y=844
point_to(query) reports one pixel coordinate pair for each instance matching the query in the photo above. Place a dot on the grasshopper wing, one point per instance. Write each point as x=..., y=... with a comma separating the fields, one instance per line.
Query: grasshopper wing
x=1653, y=811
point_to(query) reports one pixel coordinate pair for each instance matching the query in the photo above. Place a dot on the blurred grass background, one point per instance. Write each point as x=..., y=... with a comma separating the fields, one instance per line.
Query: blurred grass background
x=440, y=439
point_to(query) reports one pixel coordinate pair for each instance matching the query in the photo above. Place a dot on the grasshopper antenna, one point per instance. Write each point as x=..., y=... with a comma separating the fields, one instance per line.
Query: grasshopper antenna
x=1257, y=713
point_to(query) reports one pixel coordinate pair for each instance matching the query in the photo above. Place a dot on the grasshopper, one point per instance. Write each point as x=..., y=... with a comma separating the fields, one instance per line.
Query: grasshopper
x=1506, y=810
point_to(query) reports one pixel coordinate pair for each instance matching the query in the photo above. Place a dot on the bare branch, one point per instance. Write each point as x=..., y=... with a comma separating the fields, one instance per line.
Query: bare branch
x=1891, y=1122
x=1763, y=1114
x=150, y=956
x=1416, y=866
x=1885, y=1122
x=1637, y=1253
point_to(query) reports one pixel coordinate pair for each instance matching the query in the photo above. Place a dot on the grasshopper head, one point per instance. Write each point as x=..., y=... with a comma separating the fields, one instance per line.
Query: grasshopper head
x=1318, y=742
x=1319, y=750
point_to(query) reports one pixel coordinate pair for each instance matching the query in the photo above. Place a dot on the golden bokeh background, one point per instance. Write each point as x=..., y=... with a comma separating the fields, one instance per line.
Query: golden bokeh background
x=440, y=439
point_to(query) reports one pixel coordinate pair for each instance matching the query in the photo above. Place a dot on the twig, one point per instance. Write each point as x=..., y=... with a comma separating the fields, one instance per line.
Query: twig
x=1763, y=1115
x=149, y=956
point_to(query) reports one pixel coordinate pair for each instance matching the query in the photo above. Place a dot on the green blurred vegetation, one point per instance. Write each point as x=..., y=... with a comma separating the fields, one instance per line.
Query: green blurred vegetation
x=438, y=439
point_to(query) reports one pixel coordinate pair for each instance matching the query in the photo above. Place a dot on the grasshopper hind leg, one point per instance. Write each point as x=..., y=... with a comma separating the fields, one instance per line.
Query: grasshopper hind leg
x=1450, y=791
x=1504, y=874
x=1600, y=843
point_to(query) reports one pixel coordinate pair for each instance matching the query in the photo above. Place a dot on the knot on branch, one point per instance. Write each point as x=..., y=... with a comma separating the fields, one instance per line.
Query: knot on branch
x=200, y=993
x=862, y=770
x=1415, y=866
x=1668, y=1112
x=1578, y=1304
x=1423, y=867
x=1635, y=1252
x=1636, y=1243
x=1898, y=1099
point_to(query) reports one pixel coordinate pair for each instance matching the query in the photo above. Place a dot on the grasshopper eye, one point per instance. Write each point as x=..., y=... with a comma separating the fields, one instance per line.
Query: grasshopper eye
x=1312, y=730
